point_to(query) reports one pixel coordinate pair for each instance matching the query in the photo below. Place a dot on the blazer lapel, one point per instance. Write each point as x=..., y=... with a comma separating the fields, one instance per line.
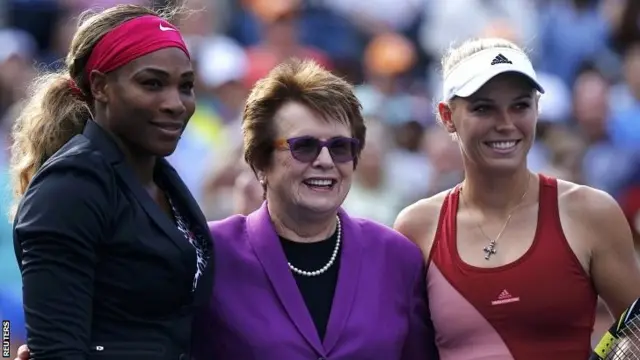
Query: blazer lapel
x=262, y=236
x=184, y=197
x=348, y=275
x=152, y=209
x=198, y=223
x=103, y=141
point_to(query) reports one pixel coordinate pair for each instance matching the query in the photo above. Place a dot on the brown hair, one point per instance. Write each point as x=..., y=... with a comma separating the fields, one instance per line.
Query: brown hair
x=301, y=81
x=53, y=113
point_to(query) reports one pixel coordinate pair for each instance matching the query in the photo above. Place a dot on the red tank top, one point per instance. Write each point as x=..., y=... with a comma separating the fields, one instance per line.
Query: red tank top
x=542, y=306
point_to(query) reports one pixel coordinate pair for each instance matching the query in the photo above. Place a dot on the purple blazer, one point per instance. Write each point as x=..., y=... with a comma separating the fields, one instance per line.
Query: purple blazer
x=379, y=309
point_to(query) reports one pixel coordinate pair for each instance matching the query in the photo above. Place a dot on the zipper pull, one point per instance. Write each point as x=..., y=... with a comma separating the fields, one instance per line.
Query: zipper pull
x=99, y=348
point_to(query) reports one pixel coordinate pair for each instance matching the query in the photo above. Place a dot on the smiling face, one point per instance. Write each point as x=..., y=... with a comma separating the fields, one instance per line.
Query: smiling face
x=320, y=185
x=496, y=125
x=148, y=101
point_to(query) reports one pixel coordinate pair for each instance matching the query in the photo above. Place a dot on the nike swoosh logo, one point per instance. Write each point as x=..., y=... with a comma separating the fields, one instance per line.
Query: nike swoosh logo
x=166, y=28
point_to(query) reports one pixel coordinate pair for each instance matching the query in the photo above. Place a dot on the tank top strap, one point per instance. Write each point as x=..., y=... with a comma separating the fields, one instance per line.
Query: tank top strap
x=441, y=250
x=549, y=216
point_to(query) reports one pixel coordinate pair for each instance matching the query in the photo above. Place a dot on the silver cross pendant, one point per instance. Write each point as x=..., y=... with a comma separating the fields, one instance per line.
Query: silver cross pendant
x=489, y=250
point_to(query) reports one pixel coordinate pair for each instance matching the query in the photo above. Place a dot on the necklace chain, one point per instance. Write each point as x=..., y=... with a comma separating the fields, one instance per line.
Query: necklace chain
x=491, y=248
x=332, y=260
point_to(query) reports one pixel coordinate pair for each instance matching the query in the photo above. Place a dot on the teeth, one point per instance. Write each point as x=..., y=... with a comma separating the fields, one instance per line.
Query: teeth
x=319, y=182
x=502, y=144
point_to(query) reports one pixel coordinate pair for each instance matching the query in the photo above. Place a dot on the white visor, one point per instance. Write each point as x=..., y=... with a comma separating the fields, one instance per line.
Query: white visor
x=473, y=72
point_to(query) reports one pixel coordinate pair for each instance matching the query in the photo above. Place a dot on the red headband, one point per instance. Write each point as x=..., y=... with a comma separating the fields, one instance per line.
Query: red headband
x=131, y=40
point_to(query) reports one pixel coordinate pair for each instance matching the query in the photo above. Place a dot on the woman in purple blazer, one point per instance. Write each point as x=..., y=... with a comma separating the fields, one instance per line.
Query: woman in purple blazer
x=299, y=278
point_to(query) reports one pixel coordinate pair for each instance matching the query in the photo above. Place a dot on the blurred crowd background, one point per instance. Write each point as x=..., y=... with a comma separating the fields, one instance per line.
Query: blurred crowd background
x=587, y=54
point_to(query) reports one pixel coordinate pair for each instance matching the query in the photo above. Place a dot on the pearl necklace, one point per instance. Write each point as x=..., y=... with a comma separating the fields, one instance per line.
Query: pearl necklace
x=332, y=260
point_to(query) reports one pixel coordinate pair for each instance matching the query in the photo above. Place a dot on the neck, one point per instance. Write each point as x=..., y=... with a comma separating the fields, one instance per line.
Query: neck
x=142, y=165
x=496, y=193
x=295, y=226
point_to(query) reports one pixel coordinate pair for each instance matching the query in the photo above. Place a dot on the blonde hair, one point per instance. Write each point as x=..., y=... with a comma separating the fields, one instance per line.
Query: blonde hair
x=53, y=112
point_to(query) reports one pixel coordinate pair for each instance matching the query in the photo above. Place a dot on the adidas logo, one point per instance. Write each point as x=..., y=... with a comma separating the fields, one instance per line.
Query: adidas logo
x=500, y=59
x=504, y=298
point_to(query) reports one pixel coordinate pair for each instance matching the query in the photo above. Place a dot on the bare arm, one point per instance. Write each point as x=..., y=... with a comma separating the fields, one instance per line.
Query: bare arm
x=614, y=266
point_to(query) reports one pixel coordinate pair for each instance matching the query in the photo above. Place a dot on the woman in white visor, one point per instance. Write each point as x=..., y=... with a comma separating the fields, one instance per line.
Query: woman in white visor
x=515, y=259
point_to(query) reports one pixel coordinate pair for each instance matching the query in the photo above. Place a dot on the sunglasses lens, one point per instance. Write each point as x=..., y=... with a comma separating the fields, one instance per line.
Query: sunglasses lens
x=342, y=150
x=305, y=149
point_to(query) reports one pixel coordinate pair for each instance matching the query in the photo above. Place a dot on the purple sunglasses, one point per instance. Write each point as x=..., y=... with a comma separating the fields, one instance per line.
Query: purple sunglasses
x=307, y=148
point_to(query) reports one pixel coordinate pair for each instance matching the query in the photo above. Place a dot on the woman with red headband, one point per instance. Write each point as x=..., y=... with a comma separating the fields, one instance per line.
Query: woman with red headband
x=114, y=251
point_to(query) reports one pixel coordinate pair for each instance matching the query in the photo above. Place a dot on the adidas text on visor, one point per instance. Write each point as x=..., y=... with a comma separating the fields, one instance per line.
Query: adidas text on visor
x=472, y=73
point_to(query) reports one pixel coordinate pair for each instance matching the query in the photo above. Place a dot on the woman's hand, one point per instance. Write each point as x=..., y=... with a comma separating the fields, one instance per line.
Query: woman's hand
x=23, y=353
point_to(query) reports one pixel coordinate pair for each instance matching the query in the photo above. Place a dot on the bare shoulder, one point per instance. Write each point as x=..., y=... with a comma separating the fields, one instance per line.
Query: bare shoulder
x=597, y=212
x=420, y=216
x=419, y=221
x=587, y=202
